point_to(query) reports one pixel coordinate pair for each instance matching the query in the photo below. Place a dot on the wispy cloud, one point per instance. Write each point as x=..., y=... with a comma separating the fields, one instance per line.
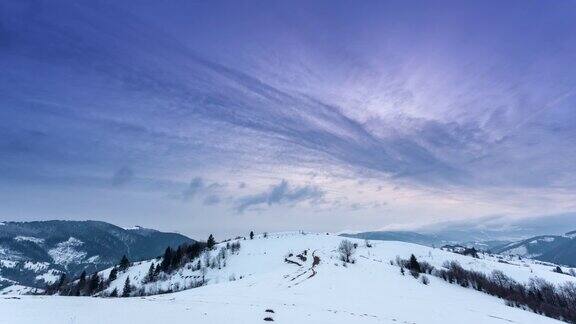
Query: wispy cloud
x=280, y=194
x=195, y=187
x=200, y=188
x=459, y=119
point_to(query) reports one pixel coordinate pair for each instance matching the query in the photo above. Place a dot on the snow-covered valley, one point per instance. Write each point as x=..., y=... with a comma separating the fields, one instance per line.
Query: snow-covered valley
x=258, y=283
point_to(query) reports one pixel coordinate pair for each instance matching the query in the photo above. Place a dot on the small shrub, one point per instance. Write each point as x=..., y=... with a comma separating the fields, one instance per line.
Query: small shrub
x=424, y=280
x=346, y=250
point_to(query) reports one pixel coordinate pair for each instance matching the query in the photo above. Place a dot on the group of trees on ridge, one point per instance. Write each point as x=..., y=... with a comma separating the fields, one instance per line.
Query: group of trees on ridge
x=172, y=260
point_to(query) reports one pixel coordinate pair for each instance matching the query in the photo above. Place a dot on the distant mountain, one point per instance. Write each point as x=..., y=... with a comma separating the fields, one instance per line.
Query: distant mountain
x=401, y=236
x=430, y=239
x=560, y=249
x=36, y=253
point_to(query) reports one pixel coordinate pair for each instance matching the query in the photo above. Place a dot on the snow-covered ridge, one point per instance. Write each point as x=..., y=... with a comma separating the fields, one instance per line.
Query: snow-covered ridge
x=571, y=234
x=49, y=277
x=36, y=266
x=136, y=227
x=8, y=263
x=29, y=239
x=6, y=253
x=20, y=290
x=266, y=255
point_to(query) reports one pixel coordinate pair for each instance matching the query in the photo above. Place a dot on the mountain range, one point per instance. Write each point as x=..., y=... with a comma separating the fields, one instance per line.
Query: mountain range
x=560, y=249
x=479, y=241
x=36, y=253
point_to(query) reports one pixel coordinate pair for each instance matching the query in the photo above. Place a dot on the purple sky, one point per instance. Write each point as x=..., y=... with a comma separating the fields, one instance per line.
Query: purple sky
x=223, y=116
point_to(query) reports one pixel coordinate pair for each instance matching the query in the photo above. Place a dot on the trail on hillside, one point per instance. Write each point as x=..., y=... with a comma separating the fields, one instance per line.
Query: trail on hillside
x=311, y=270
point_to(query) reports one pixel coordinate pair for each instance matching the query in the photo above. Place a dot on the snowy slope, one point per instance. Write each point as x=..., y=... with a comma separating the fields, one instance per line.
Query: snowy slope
x=369, y=291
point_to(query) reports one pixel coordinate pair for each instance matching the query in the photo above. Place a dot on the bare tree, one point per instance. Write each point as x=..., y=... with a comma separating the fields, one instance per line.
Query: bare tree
x=346, y=250
x=203, y=271
x=206, y=256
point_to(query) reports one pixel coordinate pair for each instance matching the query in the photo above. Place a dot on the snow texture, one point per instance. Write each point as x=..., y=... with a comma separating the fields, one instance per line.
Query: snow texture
x=67, y=252
x=30, y=239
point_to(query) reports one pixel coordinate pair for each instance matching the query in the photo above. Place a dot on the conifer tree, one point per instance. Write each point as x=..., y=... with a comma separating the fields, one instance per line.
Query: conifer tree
x=151, y=272
x=558, y=270
x=62, y=281
x=82, y=280
x=251, y=235
x=413, y=264
x=211, y=242
x=127, y=288
x=114, y=293
x=124, y=263
x=167, y=260
x=177, y=259
x=113, y=274
x=93, y=284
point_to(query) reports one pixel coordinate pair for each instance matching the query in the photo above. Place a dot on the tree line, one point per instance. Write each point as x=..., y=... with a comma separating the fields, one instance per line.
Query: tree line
x=538, y=295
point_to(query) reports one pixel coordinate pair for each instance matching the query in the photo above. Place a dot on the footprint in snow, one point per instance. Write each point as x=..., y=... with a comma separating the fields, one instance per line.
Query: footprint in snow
x=269, y=317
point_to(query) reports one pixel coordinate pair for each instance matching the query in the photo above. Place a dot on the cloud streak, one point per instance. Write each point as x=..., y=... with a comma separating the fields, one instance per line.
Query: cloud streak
x=82, y=93
x=280, y=194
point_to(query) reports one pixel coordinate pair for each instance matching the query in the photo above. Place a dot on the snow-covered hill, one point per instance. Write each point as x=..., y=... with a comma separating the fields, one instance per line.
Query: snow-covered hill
x=257, y=282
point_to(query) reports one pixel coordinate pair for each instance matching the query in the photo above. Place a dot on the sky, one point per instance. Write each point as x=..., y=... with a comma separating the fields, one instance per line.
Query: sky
x=225, y=116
